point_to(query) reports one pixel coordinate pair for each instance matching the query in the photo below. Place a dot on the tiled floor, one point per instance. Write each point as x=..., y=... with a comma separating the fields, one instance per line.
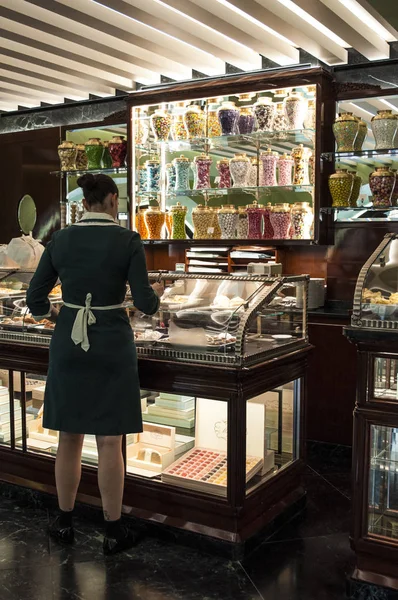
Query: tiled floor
x=306, y=560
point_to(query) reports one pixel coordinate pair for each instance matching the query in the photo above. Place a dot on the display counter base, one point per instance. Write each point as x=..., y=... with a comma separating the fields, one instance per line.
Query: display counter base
x=27, y=497
x=361, y=590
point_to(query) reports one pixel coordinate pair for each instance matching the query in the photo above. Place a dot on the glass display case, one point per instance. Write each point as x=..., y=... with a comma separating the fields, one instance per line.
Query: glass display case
x=375, y=446
x=95, y=149
x=376, y=292
x=201, y=159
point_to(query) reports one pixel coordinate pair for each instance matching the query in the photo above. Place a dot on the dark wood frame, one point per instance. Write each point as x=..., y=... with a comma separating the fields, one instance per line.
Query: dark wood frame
x=234, y=518
x=253, y=82
x=376, y=557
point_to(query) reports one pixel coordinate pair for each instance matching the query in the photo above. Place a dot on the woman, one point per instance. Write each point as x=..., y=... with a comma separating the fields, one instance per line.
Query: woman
x=92, y=384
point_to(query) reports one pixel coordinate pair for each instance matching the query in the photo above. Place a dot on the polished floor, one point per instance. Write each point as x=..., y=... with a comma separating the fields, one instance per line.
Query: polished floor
x=307, y=559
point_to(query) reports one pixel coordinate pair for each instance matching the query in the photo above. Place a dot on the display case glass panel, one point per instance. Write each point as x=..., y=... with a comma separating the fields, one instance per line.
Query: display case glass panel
x=376, y=292
x=383, y=482
x=234, y=151
x=367, y=145
x=385, y=376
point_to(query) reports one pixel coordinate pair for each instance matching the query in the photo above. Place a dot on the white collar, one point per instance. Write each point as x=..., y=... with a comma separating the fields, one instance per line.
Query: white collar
x=97, y=216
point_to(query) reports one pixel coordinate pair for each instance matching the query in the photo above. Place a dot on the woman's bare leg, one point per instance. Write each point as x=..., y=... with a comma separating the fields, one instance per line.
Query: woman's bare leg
x=111, y=475
x=68, y=469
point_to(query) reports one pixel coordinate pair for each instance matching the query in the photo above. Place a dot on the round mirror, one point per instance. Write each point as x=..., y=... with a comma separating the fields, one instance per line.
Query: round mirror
x=27, y=214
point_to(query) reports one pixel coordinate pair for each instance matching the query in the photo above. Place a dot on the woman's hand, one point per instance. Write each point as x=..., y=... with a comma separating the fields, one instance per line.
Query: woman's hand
x=158, y=288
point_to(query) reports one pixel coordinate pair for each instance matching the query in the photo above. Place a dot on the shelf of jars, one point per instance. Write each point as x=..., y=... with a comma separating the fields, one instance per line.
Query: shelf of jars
x=364, y=186
x=77, y=173
x=214, y=192
x=93, y=156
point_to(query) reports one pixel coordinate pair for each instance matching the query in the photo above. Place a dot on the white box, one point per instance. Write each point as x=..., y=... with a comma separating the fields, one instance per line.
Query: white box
x=153, y=452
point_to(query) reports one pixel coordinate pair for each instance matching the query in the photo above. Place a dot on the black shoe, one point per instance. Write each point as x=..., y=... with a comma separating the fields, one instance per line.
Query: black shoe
x=127, y=540
x=64, y=535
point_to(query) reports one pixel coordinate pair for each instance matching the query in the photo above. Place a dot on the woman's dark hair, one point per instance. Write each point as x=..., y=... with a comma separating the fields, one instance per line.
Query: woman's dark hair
x=96, y=187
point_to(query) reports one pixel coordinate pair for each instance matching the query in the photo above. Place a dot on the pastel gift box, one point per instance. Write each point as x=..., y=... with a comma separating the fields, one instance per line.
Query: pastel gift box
x=153, y=452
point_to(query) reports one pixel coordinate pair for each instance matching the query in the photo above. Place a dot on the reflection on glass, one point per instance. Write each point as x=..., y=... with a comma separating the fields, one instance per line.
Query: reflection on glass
x=385, y=378
x=380, y=288
x=383, y=482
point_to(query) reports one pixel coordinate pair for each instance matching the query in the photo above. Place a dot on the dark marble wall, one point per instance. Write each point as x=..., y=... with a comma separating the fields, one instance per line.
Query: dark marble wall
x=76, y=114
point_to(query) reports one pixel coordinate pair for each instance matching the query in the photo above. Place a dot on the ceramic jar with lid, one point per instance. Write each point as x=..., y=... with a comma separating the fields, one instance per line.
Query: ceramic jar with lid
x=224, y=173
x=202, y=218
x=269, y=161
x=302, y=218
x=361, y=136
x=118, y=151
x=239, y=167
x=264, y=111
x=106, y=160
x=246, y=121
x=142, y=179
x=178, y=131
x=381, y=183
x=295, y=110
x=170, y=178
x=242, y=228
x=141, y=129
x=228, y=116
x=213, y=124
x=268, y=232
x=152, y=175
x=356, y=189
x=81, y=158
x=67, y=155
x=285, y=170
x=384, y=127
x=195, y=122
x=228, y=220
x=94, y=150
x=169, y=223
x=280, y=121
x=301, y=157
x=140, y=224
x=281, y=221
x=340, y=186
x=255, y=214
x=202, y=164
x=154, y=221
x=216, y=234
x=178, y=213
x=161, y=125
x=310, y=117
x=181, y=165
x=255, y=178
x=345, y=129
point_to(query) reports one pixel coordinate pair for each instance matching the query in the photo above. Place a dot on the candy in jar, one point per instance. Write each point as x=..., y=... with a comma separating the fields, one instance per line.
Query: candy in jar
x=239, y=167
x=255, y=214
x=345, y=130
x=178, y=131
x=301, y=156
x=228, y=220
x=202, y=218
x=213, y=124
x=356, y=189
x=264, y=110
x=142, y=179
x=73, y=212
x=181, y=165
x=216, y=233
x=178, y=213
x=154, y=221
x=361, y=136
x=63, y=210
x=106, y=160
x=94, y=151
x=254, y=178
x=280, y=221
x=67, y=156
x=140, y=223
x=295, y=110
x=202, y=164
x=195, y=122
x=268, y=232
x=228, y=115
x=141, y=129
x=302, y=218
x=246, y=121
x=382, y=183
x=242, y=229
x=340, y=186
x=161, y=125
x=384, y=127
x=269, y=161
x=310, y=118
x=280, y=121
x=169, y=223
x=153, y=175
x=170, y=178
x=81, y=158
x=224, y=173
x=285, y=169
x=118, y=150
x=394, y=196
